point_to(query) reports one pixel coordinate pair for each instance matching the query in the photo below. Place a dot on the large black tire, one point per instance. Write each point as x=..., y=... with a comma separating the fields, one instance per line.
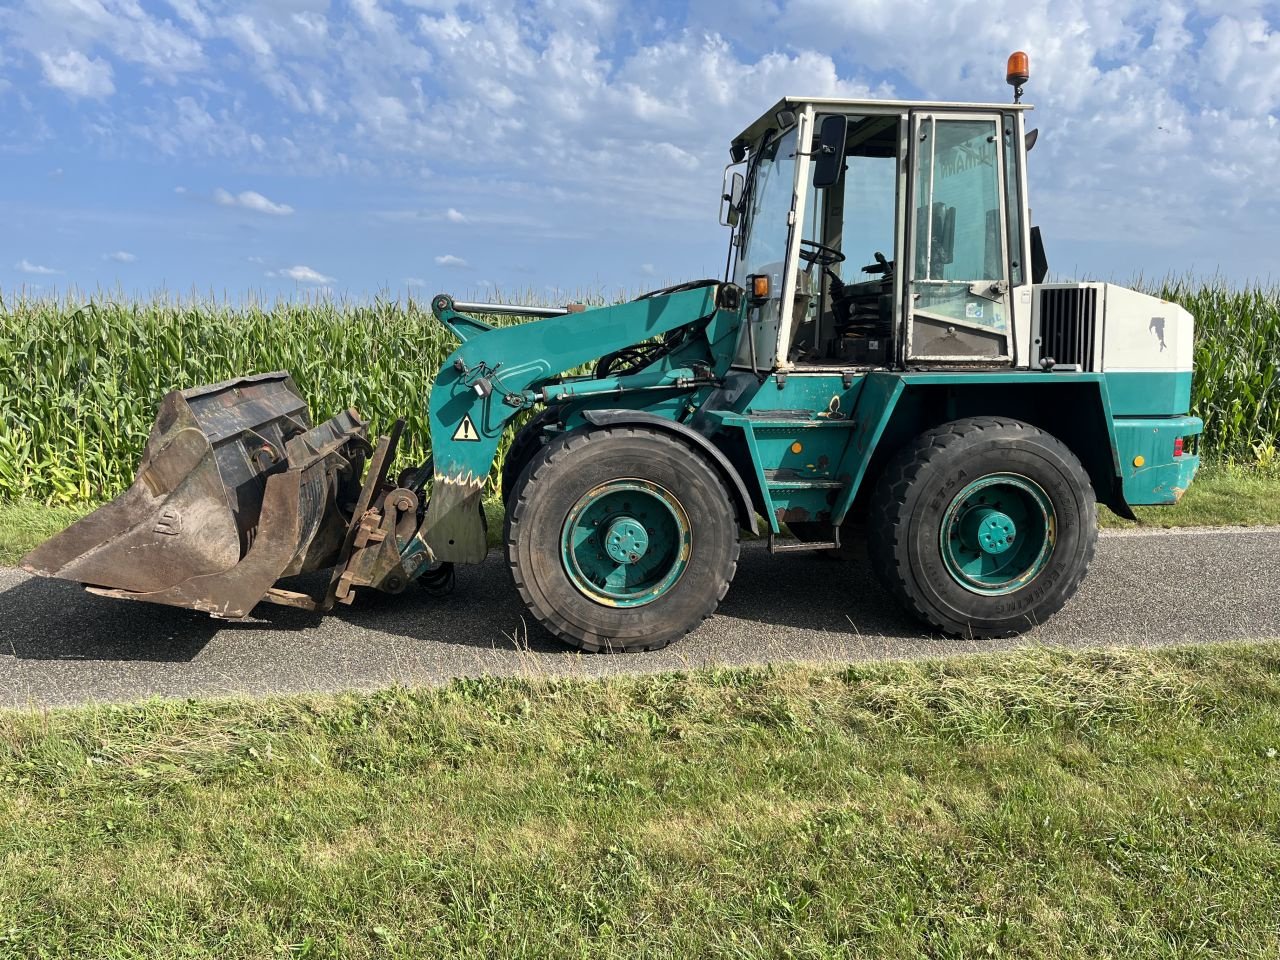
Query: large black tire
x=528, y=440
x=910, y=505
x=558, y=480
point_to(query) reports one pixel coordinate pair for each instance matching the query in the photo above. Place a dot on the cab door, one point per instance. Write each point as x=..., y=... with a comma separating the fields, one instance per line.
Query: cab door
x=957, y=290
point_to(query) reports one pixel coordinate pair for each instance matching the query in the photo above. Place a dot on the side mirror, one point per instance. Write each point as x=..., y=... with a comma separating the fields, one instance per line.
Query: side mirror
x=830, y=153
x=731, y=198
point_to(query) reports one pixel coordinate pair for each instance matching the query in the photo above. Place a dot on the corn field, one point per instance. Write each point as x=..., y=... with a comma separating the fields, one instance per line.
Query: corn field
x=80, y=378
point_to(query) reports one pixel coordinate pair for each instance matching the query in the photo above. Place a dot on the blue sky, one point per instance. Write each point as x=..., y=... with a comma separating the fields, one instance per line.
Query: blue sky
x=578, y=145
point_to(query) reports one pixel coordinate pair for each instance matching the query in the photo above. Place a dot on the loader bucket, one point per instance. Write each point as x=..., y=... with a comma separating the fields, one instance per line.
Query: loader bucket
x=236, y=489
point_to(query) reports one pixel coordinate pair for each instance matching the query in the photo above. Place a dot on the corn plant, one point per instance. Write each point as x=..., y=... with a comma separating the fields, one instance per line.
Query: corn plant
x=1236, y=386
x=80, y=376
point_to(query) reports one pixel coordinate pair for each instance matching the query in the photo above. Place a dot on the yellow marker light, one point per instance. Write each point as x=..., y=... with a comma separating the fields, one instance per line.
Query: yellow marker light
x=760, y=286
x=1139, y=460
x=797, y=447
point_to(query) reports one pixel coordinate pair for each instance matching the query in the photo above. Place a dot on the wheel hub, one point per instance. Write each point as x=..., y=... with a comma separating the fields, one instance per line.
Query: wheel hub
x=626, y=541
x=991, y=531
x=998, y=534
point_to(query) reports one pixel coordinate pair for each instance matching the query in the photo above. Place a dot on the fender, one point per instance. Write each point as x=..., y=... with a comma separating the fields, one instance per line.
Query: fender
x=737, y=489
x=1072, y=406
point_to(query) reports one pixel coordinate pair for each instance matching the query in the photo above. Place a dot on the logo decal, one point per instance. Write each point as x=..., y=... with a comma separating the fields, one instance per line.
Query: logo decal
x=466, y=430
x=1157, y=327
x=169, y=523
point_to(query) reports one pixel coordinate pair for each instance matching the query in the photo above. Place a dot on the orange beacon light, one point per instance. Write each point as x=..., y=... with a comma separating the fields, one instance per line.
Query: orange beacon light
x=1017, y=73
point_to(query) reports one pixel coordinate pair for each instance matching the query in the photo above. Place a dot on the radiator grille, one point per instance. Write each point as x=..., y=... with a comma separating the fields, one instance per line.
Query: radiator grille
x=1068, y=324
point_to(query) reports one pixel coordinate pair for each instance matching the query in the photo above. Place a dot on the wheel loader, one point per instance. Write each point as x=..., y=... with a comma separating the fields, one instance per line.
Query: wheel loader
x=882, y=361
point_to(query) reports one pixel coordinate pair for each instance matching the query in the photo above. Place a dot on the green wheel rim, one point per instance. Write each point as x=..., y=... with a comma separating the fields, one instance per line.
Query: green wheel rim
x=998, y=534
x=626, y=543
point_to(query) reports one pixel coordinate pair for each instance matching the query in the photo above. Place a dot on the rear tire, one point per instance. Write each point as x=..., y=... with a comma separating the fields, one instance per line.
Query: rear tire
x=983, y=527
x=620, y=538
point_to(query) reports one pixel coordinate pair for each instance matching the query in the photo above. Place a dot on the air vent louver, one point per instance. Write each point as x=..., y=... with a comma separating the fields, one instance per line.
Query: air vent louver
x=1068, y=325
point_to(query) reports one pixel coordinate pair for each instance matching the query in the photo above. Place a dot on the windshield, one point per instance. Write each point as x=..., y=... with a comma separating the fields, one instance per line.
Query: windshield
x=768, y=205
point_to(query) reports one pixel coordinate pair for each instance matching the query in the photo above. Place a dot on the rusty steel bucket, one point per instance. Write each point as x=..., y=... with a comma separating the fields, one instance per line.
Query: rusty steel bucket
x=236, y=489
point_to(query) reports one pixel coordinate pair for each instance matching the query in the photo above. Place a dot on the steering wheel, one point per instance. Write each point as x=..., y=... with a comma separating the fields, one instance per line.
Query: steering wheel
x=820, y=253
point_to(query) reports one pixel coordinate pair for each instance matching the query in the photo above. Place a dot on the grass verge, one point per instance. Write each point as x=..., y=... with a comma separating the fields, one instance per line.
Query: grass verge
x=1036, y=804
x=25, y=525
x=1220, y=496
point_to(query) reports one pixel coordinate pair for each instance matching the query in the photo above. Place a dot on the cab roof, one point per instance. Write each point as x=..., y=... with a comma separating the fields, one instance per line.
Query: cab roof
x=766, y=119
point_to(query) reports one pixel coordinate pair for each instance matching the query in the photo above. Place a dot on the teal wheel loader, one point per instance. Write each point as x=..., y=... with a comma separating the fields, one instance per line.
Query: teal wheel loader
x=882, y=361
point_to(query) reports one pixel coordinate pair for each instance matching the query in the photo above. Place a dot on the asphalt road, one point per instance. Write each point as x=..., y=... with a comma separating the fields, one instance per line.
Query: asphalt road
x=60, y=645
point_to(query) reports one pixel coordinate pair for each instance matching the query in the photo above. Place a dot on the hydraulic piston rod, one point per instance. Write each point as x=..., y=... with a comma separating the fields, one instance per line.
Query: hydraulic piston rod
x=511, y=309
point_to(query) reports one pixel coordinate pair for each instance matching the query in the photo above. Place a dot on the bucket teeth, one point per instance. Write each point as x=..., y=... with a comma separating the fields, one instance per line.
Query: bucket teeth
x=235, y=489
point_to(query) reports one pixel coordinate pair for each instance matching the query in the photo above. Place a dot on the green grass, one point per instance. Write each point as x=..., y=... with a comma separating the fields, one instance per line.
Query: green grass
x=1036, y=804
x=1220, y=496
x=25, y=525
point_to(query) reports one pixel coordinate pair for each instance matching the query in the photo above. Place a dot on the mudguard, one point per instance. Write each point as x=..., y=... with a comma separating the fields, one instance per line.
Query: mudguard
x=737, y=488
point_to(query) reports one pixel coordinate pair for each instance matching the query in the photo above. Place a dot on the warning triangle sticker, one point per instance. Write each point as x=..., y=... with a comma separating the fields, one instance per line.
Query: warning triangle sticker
x=466, y=430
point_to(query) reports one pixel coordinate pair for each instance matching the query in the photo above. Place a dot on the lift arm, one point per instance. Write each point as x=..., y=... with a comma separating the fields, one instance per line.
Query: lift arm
x=498, y=371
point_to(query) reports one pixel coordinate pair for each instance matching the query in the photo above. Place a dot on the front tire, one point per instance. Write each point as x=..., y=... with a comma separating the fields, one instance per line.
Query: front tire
x=620, y=538
x=983, y=527
x=528, y=440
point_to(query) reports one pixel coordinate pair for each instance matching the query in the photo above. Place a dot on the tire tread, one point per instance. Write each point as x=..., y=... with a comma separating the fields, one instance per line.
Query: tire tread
x=888, y=517
x=552, y=457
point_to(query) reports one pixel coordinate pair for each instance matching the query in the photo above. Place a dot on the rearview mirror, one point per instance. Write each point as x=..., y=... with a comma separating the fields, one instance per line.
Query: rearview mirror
x=731, y=198
x=830, y=153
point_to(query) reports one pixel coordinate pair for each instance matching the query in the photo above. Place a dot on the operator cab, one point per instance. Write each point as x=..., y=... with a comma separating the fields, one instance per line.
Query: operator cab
x=874, y=234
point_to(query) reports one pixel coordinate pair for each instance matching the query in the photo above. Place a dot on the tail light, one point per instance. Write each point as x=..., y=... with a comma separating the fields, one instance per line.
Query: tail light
x=1177, y=447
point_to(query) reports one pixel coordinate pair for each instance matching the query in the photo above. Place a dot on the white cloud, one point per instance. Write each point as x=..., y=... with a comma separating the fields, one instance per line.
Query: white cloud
x=77, y=75
x=243, y=29
x=121, y=256
x=449, y=260
x=568, y=119
x=303, y=275
x=185, y=124
x=250, y=200
x=373, y=16
x=414, y=282
x=65, y=35
x=26, y=266
x=189, y=10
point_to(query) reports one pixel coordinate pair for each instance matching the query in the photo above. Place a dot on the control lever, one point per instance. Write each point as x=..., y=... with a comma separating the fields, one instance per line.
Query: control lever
x=881, y=265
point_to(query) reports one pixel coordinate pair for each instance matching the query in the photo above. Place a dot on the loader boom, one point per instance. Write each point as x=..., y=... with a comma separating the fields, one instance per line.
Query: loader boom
x=496, y=372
